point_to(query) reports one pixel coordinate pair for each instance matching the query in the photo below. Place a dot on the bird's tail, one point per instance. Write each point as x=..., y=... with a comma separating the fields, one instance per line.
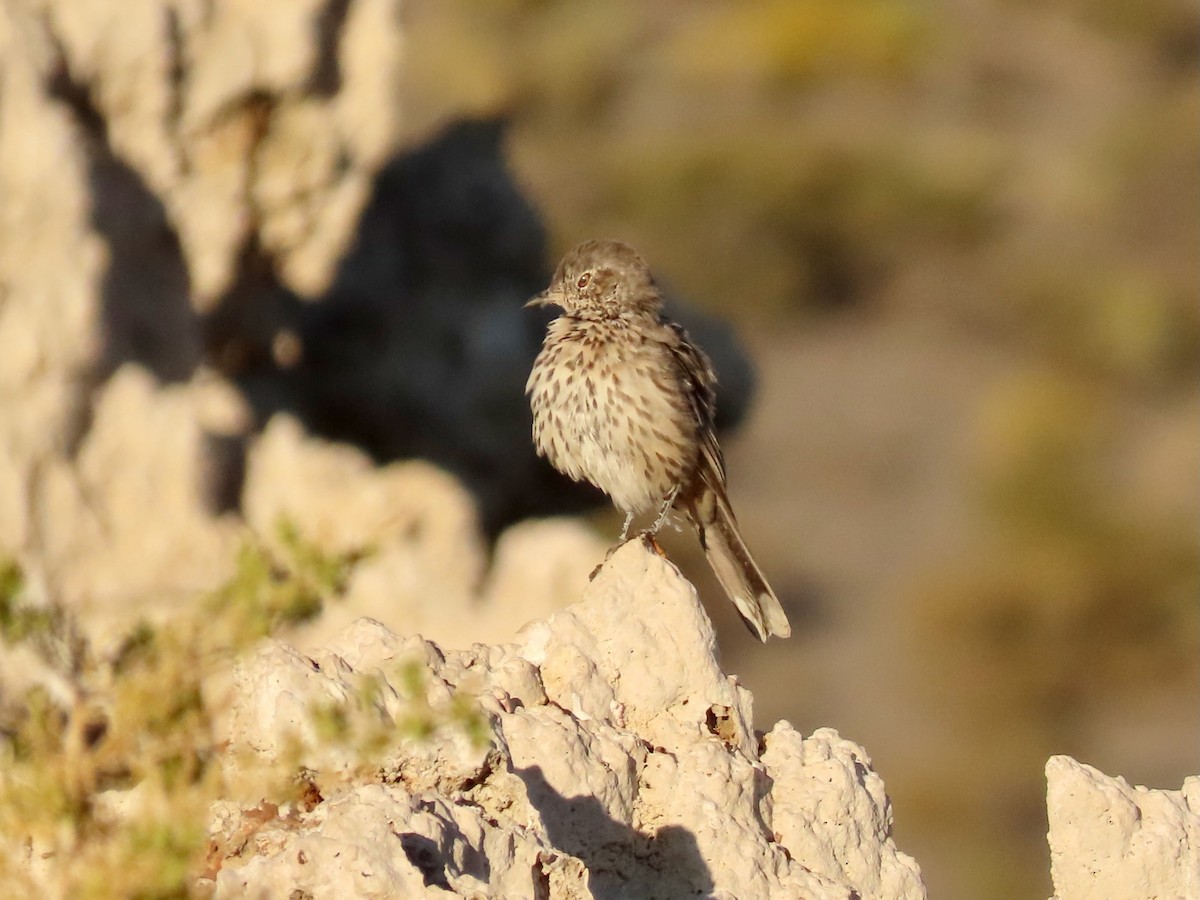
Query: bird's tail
x=733, y=565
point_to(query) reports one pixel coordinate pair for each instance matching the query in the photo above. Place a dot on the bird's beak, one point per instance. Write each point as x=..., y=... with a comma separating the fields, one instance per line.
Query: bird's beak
x=543, y=299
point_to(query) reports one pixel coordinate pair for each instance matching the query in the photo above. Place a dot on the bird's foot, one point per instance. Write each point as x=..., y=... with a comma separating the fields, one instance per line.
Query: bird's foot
x=624, y=530
x=650, y=538
x=647, y=536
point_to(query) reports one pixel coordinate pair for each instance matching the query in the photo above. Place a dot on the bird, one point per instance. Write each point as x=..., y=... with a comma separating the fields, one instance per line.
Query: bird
x=622, y=399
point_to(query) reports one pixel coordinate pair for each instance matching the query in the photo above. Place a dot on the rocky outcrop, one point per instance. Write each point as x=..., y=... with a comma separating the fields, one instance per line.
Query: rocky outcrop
x=126, y=526
x=147, y=157
x=611, y=758
x=1110, y=841
x=417, y=531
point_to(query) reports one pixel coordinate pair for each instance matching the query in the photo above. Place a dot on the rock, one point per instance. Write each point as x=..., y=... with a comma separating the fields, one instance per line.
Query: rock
x=419, y=532
x=378, y=840
x=611, y=758
x=146, y=161
x=50, y=264
x=416, y=527
x=126, y=528
x=343, y=503
x=537, y=565
x=244, y=119
x=1112, y=841
x=813, y=777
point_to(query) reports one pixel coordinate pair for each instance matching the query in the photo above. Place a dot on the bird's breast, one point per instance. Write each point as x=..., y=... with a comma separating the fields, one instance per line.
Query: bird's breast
x=609, y=407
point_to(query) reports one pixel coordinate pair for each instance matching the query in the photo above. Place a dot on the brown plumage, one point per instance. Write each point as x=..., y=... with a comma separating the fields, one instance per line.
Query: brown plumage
x=623, y=400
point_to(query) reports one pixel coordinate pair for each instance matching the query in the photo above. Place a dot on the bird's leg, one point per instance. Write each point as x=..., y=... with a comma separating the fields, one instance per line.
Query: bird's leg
x=668, y=502
x=613, y=549
x=625, y=529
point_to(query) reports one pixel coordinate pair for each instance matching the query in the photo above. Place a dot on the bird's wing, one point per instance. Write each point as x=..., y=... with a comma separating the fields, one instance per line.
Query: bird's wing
x=701, y=385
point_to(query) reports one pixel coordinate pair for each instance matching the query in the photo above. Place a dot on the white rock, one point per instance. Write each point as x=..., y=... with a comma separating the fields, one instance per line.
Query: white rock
x=221, y=124
x=1110, y=841
x=831, y=811
x=247, y=135
x=417, y=526
x=619, y=762
x=50, y=267
x=537, y=568
x=125, y=527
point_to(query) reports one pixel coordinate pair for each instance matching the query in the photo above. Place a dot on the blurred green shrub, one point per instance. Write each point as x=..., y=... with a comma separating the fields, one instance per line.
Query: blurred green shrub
x=139, y=720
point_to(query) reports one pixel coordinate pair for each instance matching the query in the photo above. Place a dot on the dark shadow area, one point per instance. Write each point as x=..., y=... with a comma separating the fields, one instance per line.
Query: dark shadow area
x=330, y=23
x=430, y=858
x=424, y=853
x=421, y=347
x=146, y=315
x=145, y=293
x=623, y=863
x=148, y=318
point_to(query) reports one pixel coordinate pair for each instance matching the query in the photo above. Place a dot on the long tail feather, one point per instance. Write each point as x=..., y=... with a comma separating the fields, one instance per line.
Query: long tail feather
x=734, y=567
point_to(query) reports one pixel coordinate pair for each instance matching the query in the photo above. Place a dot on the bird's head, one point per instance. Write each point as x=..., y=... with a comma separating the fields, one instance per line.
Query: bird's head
x=601, y=280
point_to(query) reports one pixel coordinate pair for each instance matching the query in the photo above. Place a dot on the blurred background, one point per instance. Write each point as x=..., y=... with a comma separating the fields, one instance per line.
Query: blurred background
x=943, y=253
x=959, y=240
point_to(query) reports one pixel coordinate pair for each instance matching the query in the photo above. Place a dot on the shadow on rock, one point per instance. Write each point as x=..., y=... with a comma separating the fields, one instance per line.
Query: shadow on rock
x=421, y=347
x=623, y=863
x=146, y=311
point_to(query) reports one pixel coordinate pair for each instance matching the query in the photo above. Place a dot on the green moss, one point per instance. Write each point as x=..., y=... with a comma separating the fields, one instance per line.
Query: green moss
x=331, y=721
x=154, y=860
x=466, y=714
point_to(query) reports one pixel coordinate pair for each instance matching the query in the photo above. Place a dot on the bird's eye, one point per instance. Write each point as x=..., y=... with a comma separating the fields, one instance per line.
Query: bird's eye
x=583, y=280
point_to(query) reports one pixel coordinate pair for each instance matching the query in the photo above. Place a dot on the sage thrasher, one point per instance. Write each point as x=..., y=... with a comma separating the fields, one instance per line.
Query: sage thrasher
x=623, y=400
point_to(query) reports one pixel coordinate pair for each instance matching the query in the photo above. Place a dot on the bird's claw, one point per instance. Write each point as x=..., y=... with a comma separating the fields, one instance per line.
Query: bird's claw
x=647, y=537
x=650, y=539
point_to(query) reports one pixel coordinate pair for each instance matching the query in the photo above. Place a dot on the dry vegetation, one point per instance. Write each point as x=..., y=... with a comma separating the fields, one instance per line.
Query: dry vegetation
x=108, y=780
